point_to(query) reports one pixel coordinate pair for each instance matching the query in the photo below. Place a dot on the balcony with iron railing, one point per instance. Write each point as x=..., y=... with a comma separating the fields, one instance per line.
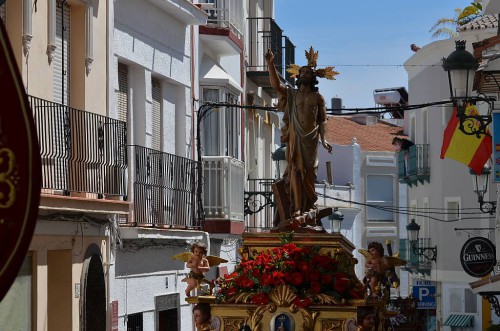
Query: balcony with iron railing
x=82, y=153
x=260, y=211
x=415, y=263
x=225, y=26
x=163, y=189
x=263, y=34
x=414, y=166
x=223, y=189
x=85, y=160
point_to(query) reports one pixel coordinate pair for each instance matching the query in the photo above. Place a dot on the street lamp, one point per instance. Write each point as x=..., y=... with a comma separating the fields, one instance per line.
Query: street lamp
x=279, y=156
x=336, y=219
x=480, y=187
x=461, y=67
x=430, y=253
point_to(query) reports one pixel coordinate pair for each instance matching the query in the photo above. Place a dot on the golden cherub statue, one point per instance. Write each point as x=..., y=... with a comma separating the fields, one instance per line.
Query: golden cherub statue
x=380, y=270
x=199, y=263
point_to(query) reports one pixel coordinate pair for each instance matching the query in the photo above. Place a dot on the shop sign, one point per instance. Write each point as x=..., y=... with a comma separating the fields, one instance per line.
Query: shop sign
x=478, y=256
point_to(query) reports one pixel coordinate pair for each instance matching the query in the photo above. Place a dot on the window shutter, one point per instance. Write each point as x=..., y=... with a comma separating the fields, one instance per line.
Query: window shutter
x=156, y=114
x=61, y=58
x=122, y=94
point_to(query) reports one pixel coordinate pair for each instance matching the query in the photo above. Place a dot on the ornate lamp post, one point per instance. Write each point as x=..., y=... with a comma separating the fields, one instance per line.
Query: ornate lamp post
x=430, y=253
x=480, y=187
x=461, y=66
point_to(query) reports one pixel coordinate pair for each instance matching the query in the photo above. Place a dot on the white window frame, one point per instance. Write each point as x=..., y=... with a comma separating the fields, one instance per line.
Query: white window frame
x=452, y=212
x=388, y=203
x=27, y=25
x=462, y=299
x=425, y=125
x=89, y=36
x=413, y=127
x=223, y=114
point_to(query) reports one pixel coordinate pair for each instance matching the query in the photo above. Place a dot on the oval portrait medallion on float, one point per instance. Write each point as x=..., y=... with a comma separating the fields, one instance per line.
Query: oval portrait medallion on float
x=478, y=256
x=20, y=172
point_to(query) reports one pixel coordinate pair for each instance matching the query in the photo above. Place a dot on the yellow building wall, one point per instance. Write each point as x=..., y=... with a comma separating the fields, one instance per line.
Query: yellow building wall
x=58, y=268
x=59, y=281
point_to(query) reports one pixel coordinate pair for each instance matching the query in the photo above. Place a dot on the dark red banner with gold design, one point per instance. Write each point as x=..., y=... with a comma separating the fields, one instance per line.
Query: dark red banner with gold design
x=20, y=171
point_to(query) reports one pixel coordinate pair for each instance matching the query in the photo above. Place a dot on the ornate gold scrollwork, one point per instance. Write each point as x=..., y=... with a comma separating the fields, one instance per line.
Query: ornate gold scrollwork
x=232, y=324
x=331, y=325
x=7, y=187
x=282, y=296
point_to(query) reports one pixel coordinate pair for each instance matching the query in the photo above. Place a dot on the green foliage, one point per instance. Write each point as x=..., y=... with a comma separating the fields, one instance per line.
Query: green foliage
x=448, y=27
x=286, y=237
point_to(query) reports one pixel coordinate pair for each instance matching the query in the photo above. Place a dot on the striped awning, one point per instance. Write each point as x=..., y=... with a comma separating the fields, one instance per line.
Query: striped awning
x=459, y=320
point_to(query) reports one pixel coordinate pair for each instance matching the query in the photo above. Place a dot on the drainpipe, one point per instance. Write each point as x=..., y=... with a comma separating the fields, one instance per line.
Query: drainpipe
x=193, y=94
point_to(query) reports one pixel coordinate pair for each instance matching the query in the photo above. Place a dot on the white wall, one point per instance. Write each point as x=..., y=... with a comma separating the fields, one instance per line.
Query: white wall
x=159, y=47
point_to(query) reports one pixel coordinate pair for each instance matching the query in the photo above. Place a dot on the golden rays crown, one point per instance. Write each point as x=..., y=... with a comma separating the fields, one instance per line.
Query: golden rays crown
x=312, y=61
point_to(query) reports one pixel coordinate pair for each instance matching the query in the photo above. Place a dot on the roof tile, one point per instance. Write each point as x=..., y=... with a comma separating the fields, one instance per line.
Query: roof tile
x=481, y=23
x=340, y=130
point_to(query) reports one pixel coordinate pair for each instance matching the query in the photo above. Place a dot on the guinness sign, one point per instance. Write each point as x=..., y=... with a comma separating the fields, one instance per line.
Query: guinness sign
x=478, y=256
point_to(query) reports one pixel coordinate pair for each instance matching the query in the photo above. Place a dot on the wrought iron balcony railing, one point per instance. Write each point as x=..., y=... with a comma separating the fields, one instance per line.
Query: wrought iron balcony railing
x=263, y=34
x=164, y=189
x=80, y=151
x=414, y=166
x=223, y=187
x=259, y=204
x=226, y=14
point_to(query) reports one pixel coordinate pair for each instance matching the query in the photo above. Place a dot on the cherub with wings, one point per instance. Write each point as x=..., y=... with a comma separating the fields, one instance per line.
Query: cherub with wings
x=379, y=269
x=199, y=263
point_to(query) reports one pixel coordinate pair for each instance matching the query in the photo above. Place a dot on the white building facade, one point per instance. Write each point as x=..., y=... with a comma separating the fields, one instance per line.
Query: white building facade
x=445, y=205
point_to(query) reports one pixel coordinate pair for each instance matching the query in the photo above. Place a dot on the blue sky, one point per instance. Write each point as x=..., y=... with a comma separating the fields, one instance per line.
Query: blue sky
x=362, y=33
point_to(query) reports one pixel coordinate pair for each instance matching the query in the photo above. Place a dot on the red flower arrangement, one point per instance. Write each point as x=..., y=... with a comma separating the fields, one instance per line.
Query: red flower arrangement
x=302, y=269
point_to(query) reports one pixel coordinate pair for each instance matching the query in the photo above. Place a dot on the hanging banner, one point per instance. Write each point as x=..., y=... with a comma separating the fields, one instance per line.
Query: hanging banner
x=20, y=171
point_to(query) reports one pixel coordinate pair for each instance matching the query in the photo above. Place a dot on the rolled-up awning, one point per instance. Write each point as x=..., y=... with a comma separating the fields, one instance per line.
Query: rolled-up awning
x=459, y=320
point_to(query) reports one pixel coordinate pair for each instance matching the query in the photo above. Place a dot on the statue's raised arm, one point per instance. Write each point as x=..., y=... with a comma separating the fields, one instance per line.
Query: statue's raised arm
x=273, y=75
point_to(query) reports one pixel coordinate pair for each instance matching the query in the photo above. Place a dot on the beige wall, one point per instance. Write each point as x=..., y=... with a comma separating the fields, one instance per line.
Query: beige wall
x=96, y=82
x=59, y=290
x=58, y=265
x=87, y=91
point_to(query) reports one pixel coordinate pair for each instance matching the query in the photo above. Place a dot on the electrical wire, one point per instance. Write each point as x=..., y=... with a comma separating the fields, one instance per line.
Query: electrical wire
x=331, y=111
x=410, y=212
x=378, y=65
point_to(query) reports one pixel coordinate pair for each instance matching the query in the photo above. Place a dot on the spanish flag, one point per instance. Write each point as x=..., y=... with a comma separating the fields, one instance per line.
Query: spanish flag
x=467, y=149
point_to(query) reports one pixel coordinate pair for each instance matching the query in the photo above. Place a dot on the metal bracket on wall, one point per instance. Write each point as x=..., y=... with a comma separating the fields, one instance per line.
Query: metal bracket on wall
x=474, y=232
x=493, y=301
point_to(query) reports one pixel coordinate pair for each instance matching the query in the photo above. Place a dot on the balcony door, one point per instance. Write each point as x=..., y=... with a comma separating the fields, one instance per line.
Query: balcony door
x=221, y=127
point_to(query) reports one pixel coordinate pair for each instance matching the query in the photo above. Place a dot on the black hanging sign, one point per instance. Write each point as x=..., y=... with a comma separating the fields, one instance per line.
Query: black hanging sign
x=478, y=256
